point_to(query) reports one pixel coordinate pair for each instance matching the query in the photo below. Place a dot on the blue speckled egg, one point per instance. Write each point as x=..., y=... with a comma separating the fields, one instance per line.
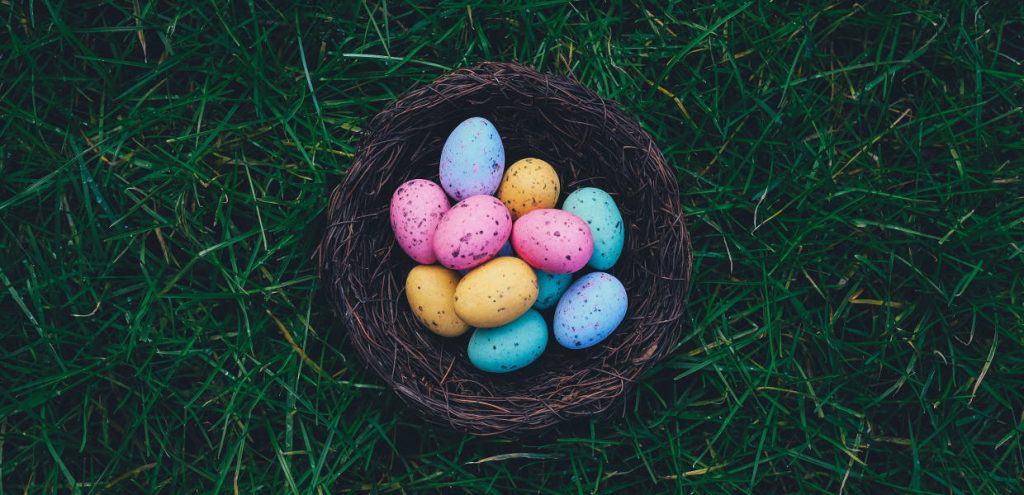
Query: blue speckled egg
x=590, y=310
x=473, y=159
x=551, y=288
x=511, y=346
x=598, y=209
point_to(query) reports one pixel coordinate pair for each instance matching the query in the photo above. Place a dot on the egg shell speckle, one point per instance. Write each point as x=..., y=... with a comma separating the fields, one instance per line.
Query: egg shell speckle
x=473, y=159
x=529, y=184
x=551, y=287
x=416, y=209
x=590, y=310
x=598, y=209
x=506, y=250
x=555, y=241
x=496, y=292
x=472, y=232
x=430, y=290
x=511, y=346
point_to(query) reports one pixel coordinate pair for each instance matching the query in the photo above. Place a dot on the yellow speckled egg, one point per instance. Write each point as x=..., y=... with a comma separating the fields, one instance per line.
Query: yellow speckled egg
x=529, y=184
x=430, y=290
x=496, y=292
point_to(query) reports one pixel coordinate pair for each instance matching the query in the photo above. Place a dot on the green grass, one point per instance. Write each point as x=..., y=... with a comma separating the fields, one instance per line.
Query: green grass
x=852, y=173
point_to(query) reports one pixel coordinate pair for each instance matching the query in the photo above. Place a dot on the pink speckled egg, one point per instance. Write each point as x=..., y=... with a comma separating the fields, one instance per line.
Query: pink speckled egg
x=416, y=210
x=554, y=241
x=472, y=232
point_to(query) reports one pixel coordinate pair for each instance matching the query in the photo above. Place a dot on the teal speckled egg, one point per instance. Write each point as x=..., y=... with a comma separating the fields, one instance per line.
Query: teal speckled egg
x=511, y=346
x=551, y=287
x=598, y=209
x=506, y=250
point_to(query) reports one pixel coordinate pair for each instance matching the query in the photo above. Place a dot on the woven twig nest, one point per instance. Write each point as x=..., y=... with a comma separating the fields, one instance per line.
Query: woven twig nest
x=590, y=142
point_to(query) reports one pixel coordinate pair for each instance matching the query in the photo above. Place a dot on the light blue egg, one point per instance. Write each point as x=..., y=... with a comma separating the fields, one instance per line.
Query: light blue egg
x=590, y=310
x=551, y=288
x=598, y=209
x=473, y=159
x=511, y=346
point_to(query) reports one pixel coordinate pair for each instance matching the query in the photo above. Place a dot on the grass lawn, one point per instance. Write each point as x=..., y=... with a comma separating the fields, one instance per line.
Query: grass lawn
x=853, y=175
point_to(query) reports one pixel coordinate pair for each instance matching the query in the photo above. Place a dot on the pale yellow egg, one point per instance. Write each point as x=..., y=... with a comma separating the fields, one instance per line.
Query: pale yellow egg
x=430, y=290
x=496, y=292
x=529, y=184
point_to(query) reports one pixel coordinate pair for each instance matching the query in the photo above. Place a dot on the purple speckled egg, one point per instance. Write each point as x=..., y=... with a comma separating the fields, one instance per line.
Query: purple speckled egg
x=554, y=241
x=473, y=159
x=590, y=310
x=416, y=209
x=472, y=232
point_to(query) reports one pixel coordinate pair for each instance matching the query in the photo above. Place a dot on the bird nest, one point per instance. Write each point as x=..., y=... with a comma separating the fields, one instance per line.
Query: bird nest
x=590, y=142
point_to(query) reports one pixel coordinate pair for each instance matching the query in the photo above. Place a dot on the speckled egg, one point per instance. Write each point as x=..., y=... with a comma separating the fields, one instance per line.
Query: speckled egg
x=473, y=159
x=551, y=286
x=598, y=209
x=472, y=232
x=430, y=290
x=506, y=250
x=555, y=241
x=496, y=292
x=529, y=184
x=511, y=346
x=590, y=310
x=416, y=208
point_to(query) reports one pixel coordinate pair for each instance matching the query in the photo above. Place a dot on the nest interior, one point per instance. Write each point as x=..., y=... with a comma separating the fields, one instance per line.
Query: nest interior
x=590, y=142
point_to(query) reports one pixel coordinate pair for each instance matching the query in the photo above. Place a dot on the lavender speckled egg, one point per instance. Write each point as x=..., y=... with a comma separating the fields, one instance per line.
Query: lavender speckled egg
x=511, y=346
x=473, y=159
x=551, y=286
x=598, y=209
x=416, y=209
x=472, y=232
x=590, y=310
x=554, y=241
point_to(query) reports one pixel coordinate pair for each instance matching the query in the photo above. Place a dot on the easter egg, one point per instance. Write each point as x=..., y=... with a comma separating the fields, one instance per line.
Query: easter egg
x=555, y=241
x=506, y=250
x=430, y=290
x=496, y=292
x=473, y=159
x=529, y=184
x=551, y=286
x=511, y=346
x=416, y=208
x=472, y=232
x=598, y=209
x=590, y=310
